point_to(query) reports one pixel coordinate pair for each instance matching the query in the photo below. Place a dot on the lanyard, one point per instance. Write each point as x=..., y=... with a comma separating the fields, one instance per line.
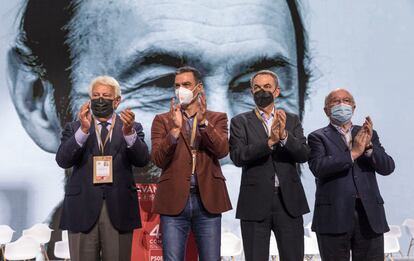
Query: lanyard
x=98, y=134
x=193, y=132
x=263, y=121
x=192, y=145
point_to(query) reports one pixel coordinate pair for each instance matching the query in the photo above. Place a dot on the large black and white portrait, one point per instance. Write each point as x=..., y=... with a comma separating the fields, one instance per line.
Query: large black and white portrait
x=52, y=49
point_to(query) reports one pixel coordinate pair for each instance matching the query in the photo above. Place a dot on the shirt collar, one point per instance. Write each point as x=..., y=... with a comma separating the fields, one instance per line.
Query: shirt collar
x=109, y=121
x=262, y=113
x=187, y=116
x=340, y=130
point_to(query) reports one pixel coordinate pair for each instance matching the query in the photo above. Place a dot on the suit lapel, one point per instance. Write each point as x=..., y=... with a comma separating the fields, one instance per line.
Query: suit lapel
x=184, y=134
x=335, y=136
x=257, y=125
x=93, y=141
x=116, y=138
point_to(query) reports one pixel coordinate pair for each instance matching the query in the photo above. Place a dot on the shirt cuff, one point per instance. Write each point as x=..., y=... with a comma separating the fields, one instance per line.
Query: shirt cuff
x=283, y=142
x=172, y=138
x=81, y=137
x=368, y=153
x=130, y=139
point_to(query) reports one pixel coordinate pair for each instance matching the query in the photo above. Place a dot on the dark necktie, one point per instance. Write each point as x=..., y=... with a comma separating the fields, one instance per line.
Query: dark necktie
x=104, y=133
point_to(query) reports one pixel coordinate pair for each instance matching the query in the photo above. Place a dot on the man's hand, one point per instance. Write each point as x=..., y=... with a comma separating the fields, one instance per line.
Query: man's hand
x=202, y=105
x=368, y=127
x=281, y=117
x=85, y=117
x=176, y=117
x=359, y=144
x=274, y=132
x=128, y=119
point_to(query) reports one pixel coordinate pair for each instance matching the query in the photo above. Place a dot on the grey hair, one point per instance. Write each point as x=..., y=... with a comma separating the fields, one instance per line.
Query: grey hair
x=108, y=81
x=265, y=72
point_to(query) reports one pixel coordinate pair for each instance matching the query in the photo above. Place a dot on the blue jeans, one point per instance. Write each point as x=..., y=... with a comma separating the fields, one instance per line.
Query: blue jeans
x=206, y=228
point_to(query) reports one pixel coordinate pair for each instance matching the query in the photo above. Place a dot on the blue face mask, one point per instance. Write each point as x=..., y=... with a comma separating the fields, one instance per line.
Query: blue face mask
x=341, y=113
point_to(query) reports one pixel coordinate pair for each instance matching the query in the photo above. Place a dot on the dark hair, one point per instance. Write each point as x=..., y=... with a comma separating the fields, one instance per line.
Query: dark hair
x=196, y=73
x=302, y=52
x=42, y=44
x=46, y=50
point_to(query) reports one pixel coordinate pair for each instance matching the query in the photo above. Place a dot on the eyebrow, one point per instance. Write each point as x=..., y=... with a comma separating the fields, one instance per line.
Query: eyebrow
x=149, y=57
x=258, y=63
x=153, y=56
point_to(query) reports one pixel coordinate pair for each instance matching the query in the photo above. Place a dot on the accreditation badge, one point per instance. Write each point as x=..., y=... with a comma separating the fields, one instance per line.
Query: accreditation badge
x=102, y=169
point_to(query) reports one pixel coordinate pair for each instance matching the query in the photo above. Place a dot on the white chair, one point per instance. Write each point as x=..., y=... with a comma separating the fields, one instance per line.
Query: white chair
x=6, y=234
x=273, y=250
x=391, y=246
x=23, y=248
x=311, y=247
x=395, y=231
x=308, y=230
x=231, y=245
x=65, y=235
x=391, y=241
x=62, y=247
x=62, y=250
x=408, y=226
x=41, y=233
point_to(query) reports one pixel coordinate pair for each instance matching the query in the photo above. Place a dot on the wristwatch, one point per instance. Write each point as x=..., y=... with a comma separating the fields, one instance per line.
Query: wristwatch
x=203, y=125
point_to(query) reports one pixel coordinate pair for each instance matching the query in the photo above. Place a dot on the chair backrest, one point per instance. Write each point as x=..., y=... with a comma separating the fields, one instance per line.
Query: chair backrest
x=62, y=250
x=40, y=232
x=23, y=248
x=231, y=245
x=65, y=235
x=308, y=230
x=6, y=234
x=311, y=246
x=391, y=245
x=408, y=225
x=273, y=250
x=395, y=231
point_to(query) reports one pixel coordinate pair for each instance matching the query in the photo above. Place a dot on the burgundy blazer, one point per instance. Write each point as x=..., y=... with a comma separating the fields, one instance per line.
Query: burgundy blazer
x=174, y=158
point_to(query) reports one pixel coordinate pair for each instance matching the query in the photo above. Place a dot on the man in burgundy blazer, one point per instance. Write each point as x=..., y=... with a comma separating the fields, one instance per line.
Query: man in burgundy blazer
x=188, y=199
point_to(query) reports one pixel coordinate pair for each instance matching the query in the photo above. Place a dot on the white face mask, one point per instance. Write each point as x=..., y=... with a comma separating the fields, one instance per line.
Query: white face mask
x=185, y=96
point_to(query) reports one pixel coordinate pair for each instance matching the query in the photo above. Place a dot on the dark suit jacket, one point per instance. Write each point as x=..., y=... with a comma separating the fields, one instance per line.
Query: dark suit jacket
x=338, y=180
x=83, y=200
x=175, y=161
x=249, y=150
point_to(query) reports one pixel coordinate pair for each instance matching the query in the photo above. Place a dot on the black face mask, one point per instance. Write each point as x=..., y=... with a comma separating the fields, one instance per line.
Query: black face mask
x=263, y=98
x=101, y=107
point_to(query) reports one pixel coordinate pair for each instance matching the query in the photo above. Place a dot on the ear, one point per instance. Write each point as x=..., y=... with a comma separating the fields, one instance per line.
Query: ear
x=200, y=87
x=34, y=102
x=117, y=101
x=276, y=93
x=327, y=111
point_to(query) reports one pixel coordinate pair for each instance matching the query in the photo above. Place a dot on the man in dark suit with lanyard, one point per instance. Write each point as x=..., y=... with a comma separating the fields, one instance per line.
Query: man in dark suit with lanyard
x=100, y=208
x=268, y=144
x=349, y=210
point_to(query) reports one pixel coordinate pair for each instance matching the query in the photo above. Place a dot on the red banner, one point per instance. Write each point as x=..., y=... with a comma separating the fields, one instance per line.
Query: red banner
x=147, y=242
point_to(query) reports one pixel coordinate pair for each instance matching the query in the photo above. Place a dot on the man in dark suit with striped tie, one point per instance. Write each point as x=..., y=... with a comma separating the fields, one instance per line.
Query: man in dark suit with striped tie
x=100, y=208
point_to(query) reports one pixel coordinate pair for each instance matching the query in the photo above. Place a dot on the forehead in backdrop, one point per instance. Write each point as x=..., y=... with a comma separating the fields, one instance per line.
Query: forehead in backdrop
x=141, y=43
